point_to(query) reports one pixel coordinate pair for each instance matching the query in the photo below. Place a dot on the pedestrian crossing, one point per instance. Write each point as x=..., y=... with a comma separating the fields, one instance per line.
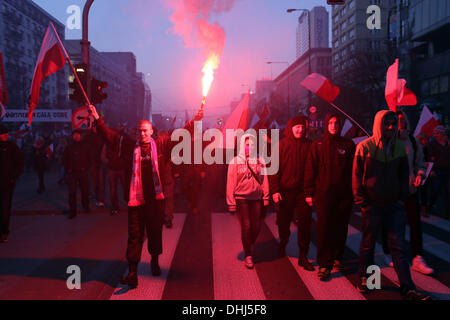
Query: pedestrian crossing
x=232, y=281
x=203, y=259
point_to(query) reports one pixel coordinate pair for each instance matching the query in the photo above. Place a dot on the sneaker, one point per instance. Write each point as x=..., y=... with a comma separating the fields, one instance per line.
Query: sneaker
x=99, y=204
x=419, y=265
x=130, y=280
x=362, y=285
x=304, y=262
x=414, y=295
x=249, y=262
x=338, y=265
x=324, y=274
x=388, y=261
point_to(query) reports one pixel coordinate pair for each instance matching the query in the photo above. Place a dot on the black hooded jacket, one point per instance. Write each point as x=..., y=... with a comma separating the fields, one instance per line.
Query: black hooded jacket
x=329, y=165
x=293, y=153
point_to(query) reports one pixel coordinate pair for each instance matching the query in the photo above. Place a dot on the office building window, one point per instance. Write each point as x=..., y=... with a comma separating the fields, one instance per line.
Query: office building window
x=351, y=19
x=443, y=84
x=351, y=34
x=351, y=4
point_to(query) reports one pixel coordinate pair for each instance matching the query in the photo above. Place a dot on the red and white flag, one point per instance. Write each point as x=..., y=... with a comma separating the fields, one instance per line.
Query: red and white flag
x=50, y=60
x=427, y=123
x=49, y=151
x=396, y=92
x=3, y=92
x=348, y=130
x=321, y=86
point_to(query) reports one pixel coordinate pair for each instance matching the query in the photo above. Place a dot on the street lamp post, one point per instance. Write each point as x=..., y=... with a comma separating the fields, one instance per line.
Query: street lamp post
x=288, y=81
x=309, y=46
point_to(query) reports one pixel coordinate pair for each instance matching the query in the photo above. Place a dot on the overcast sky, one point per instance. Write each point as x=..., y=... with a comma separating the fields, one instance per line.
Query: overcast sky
x=257, y=31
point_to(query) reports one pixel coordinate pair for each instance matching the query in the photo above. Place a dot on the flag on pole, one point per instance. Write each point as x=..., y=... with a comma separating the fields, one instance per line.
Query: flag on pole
x=348, y=130
x=50, y=60
x=427, y=123
x=3, y=92
x=396, y=92
x=321, y=86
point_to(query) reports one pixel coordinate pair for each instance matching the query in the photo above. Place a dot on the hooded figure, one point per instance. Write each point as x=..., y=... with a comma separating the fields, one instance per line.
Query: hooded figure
x=328, y=181
x=380, y=185
x=247, y=192
x=287, y=188
x=40, y=161
x=417, y=168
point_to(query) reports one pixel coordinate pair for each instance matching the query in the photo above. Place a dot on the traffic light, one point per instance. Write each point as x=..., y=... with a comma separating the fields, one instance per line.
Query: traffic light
x=97, y=94
x=334, y=2
x=76, y=92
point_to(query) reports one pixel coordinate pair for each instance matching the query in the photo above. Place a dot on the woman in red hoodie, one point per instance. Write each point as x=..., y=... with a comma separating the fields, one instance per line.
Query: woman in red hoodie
x=248, y=192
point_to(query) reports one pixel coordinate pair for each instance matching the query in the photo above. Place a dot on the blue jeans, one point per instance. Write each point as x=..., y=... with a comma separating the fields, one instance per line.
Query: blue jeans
x=393, y=218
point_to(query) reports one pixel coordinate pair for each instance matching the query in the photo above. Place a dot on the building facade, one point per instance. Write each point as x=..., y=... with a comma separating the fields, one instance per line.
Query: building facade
x=22, y=28
x=318, y=20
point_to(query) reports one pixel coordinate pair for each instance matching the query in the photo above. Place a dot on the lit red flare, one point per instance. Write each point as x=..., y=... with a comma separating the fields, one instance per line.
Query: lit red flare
x=208, y=70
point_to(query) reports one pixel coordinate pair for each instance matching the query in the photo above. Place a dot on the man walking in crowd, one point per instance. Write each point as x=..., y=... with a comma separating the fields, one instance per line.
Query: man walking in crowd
x=113, y=157
x=146, y=200
x=417, y=171
x=168, y=184
x=328, y=184
x=77, y=160
x=380, y=185
x=287, y=188
x=248, y=193
x=40, y=160
x=439, y=152
x=98, y=169
x=11, y=167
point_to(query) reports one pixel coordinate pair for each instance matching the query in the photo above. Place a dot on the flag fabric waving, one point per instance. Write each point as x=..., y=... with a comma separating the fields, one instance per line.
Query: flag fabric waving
x=50, y=60
x=396, y=92
x=321, y=86
x=427, y=123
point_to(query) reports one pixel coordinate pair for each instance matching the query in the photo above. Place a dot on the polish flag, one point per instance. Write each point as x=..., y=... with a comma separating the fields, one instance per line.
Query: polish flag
x=3, y=93
x=396, y=92
x=348, y=130
x=321, y=86
x=50, y=60
x=427, y=123
x=49, y=151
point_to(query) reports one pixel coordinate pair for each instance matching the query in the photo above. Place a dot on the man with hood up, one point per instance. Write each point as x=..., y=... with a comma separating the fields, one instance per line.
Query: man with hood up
x=380, y=184
x=287, y=189
x=247, y=193
x=328, y=183
x=417, y=169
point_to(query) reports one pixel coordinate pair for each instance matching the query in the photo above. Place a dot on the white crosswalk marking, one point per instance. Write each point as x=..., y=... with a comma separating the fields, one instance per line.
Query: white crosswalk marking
x=339, y=288
x=440, y=223
x=429, y=284
x=151, y=288
x=232, y=281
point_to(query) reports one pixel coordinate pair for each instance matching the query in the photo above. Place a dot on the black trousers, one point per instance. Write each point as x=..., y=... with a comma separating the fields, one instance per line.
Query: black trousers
x=147, y=219
x=333, y=217
x=98, y=177
x=250, y=218
x=116, y=176
x=6, y=195
x=74, y=180
x=294, y=202
x=415, y=227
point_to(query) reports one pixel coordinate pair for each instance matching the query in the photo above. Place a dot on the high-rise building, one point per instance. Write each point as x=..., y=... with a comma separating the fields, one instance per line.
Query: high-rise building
x=317, y=19
x=22, y=28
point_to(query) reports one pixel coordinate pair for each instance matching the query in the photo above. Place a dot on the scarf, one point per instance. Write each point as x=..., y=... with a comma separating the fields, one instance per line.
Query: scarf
x=136, y=189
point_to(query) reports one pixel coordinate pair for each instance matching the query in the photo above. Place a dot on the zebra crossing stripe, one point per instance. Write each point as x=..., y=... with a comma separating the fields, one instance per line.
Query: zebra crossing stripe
x=232, y=281
x=151, y=288
x=339, y=288
x=429, y=284
x=440, y=223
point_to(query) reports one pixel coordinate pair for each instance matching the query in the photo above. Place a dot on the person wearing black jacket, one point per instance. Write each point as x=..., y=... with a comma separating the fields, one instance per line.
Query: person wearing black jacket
x=328, y=184
x=77, y=160
x=11, y=167
x=287, y=189
x=146, y=197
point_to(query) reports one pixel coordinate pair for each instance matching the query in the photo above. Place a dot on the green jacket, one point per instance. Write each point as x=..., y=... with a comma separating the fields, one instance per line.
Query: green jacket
x=379, y=179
